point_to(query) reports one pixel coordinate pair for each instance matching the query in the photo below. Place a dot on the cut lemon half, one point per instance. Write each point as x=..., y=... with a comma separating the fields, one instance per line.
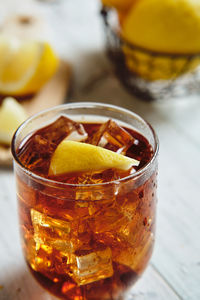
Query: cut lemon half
x=25, y=66
x=12, y=114
x=71, y=156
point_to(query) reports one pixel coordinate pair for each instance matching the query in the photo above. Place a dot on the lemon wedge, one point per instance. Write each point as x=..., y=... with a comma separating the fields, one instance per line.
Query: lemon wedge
x=25, y=66
x=12, y=114
x=71, y=156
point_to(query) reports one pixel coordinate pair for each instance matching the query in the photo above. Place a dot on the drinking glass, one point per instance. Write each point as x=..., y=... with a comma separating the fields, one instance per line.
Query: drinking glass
x=87, y=241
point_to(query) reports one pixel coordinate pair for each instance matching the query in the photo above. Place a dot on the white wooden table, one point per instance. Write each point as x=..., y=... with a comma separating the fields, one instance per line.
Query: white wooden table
x=174, y=271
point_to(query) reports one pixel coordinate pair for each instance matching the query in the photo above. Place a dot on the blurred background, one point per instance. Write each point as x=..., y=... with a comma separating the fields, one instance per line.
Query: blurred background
x=56, y=51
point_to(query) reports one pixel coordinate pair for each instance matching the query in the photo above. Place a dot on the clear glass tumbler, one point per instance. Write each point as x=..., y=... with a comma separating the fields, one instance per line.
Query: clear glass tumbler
x=86, y=241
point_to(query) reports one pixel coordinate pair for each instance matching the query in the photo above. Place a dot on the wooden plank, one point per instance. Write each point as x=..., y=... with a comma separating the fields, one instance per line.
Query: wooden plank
x=177, y=253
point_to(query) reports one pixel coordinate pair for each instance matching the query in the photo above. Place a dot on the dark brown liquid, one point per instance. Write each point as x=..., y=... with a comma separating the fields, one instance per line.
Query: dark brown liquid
x=86, y=244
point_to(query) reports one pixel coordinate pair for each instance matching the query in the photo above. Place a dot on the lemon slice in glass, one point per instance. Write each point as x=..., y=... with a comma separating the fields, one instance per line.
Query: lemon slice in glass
x=71, y=156
x=12, y=114
x=25, y=66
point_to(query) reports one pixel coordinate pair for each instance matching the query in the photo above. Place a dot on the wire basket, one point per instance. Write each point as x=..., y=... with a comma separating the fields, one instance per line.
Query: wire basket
x=147, y=74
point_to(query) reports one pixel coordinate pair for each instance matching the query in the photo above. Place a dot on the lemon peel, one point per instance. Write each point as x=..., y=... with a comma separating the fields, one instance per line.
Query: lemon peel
x=12, y=114
x=72, y=156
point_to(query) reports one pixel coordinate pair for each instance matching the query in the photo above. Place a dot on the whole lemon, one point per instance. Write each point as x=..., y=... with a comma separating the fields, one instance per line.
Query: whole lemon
x=167, y=26
x=171, y=26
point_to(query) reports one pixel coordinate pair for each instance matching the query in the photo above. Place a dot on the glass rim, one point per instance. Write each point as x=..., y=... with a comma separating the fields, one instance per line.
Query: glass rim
x=54, y=183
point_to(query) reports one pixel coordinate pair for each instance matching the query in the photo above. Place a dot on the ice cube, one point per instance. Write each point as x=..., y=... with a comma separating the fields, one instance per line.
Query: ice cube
x=36, y=154
x=47, y=260
x=113, y=137
x=39, y=258
x=51, y=248
x=127, y=203
x=51, y=232
x=83, y=235
x=94, y=194
x=97, y=192
x=108, y=219
x=37, y=151
x=91, y=177
x=98, y=177
x=92, y=266
x=78, y=136
x=61, y=128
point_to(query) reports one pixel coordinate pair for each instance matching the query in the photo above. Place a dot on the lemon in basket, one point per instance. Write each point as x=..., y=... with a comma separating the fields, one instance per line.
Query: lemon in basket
x=167, y=26
x=25, y=66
